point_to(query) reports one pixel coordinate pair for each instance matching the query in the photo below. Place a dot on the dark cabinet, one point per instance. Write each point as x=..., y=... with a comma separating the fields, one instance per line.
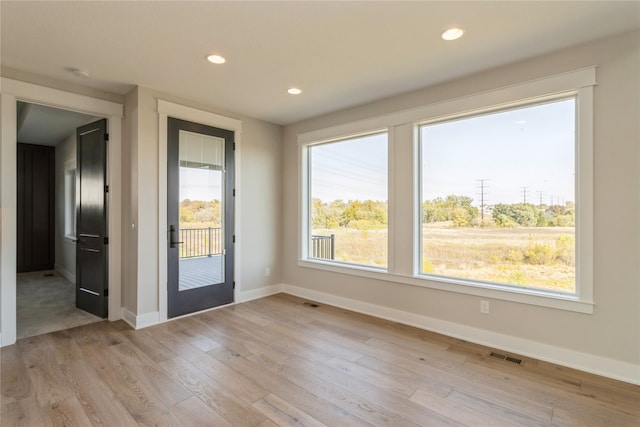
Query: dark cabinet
x=35, y=209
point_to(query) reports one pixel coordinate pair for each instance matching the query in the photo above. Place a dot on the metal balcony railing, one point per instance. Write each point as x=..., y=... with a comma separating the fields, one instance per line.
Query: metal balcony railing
x=323, y=247
x=199, y=242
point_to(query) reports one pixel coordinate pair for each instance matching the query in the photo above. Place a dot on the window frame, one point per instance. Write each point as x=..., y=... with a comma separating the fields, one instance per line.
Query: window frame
x=70, y=200
x=305, y=211
x=405, y=199
x=570, y=95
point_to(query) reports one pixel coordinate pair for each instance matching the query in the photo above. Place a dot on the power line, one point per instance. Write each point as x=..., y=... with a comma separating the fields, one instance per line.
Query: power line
x=482, y=196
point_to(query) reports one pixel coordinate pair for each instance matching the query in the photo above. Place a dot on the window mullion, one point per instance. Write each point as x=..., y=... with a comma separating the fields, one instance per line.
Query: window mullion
x=401, y=200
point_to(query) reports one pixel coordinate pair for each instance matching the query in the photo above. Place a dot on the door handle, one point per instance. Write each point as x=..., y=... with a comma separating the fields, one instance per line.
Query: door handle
x=172, y=237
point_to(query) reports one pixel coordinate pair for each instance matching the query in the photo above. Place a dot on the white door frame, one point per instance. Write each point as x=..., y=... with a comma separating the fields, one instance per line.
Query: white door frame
x=169, y=109
x=11, y=92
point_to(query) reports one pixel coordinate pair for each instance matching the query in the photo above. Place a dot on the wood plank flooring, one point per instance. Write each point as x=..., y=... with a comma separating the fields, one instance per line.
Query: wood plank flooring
x=285, y=361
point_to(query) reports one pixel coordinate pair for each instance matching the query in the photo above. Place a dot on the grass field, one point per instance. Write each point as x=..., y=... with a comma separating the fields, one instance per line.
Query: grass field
x=540, y=257
x=526, y=256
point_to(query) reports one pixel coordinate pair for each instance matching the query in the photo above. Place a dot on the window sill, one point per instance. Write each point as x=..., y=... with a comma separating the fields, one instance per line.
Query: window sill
x=528, y=296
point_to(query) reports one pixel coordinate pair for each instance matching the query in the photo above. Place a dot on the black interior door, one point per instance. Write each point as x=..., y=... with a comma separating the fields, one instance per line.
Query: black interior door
x=200, y=207
x=91, y=201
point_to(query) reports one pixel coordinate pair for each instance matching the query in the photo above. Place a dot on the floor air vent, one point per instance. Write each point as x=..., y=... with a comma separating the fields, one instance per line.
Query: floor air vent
x=507, y=358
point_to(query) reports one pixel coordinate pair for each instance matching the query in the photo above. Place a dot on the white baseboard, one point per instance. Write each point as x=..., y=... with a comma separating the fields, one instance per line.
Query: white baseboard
x=252, y=294
x=142, y=321
x=150, y=319
x=611, y=368
x=65, y=273
x=129, y=317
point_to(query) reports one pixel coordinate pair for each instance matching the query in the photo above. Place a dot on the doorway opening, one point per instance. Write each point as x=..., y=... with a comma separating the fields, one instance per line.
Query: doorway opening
x=47, y=200
x=13, y=91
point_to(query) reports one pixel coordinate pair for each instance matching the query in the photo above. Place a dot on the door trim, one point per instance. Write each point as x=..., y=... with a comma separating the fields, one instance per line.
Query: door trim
x=13, y=91
x=168, y=109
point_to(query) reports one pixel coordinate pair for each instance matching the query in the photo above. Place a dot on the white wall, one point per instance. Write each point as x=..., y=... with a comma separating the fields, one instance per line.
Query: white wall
x=259, y=198
x=608, y=341
x=65, y=249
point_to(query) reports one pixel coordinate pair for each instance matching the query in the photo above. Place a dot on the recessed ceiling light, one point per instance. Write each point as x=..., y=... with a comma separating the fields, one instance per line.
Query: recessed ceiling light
x=216, y=59
x=453, y=33
x=294, y=91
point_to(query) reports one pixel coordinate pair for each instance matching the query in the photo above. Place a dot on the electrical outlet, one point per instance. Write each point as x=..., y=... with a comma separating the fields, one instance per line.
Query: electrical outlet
x=267, y=272
x=484, y=307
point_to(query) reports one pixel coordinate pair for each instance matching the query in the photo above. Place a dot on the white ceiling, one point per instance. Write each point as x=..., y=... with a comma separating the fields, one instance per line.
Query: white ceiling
x=41, y=125
x=340, y=53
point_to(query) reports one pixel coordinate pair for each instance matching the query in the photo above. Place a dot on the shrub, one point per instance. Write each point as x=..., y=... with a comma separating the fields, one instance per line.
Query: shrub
x=517, y=278
x=515, y=256
x=503, y=220
x=427, y=267
x=539, y=253
x=186, y=215
x=565, y=249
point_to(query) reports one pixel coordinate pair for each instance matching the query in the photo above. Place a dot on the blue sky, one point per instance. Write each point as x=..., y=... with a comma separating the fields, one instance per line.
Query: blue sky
x=350, y=171
x=529, y=147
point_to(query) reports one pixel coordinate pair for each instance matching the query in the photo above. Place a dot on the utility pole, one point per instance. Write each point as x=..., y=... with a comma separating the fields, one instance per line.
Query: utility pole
x=540, y=194
x=482, y=194
x=524, y=194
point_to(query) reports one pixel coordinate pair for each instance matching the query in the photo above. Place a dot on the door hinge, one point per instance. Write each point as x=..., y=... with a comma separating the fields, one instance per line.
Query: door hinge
x=106, y=240
x=234, y=192
x=106, y=136
x=106, y=188
x=106, y=292
x=234, y=146
x=234, y=238
x=234, y=285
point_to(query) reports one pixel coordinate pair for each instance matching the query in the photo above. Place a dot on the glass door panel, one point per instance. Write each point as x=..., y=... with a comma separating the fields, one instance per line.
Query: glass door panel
x=201, y=223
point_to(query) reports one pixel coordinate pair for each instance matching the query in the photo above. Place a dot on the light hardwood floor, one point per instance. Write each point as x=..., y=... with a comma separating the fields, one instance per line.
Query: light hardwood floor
x=281, y=361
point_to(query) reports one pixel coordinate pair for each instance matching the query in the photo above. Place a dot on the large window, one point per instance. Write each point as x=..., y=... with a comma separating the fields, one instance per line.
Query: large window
x=498, y=196
x=348, y=200
x=489, y=194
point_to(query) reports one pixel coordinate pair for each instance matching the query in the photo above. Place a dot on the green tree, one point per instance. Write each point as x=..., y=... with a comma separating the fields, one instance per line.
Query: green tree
x=363, y=215
x=318, y=214
x=560, y=216
x=450, y=209
x=524, y=214
x=461, y=217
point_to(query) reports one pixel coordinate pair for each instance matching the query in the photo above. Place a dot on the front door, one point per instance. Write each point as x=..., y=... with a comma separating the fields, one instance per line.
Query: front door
x=200, y=213
x=91, y=204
